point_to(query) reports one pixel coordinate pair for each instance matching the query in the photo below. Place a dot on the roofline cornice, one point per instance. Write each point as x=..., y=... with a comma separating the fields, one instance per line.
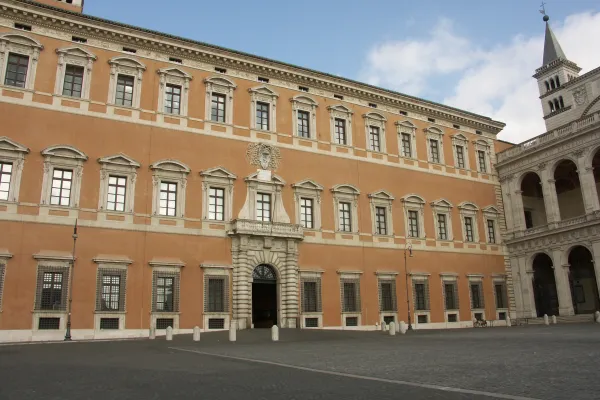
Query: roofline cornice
x=555, y=64
x=89, y=26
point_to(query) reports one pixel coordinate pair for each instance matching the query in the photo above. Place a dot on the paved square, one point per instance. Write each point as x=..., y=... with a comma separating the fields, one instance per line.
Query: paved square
x=538, y=362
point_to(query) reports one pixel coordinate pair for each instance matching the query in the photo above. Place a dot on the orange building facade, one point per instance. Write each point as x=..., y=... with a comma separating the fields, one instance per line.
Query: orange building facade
x=212, y=187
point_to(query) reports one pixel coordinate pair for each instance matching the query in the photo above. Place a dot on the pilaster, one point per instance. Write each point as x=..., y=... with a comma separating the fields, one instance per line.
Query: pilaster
x=518, y=211
x=596, y=255
x=563, y=288
x=525, y=277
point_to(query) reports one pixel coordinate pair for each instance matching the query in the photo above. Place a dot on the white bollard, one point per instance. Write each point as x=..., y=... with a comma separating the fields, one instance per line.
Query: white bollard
x=196, y=334
x=392, y=329
x=152, y=332
x=397, y=327
x=597, y=316
x=383, y=326
x=169, y=333
x=232, y=332
x=554, y=319
x=275, y=333
x=508, y=321
x=403, y=327
x=546, y=320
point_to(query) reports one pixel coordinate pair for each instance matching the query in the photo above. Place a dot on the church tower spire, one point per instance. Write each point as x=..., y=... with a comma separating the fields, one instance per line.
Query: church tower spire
x=552, y=49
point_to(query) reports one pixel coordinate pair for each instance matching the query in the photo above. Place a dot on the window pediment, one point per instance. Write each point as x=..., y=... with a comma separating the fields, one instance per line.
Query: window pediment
x=467, y=206
x=460, y=139
x=345, y=189
x=275, y=179
x=170, y=166
x=381, y=195
x=218, y=172
x=120, y=160
x=76, y=52
x=491, y=210
x=127, y=62
x=442, y=204
x=413, y=199
x=23, y=40
x=481, y=144
x=220, y=81
x=375, y=116
x=264, y=91
x=300, y=99
x=11, y=146
x=175, y=72
x=407, y=125
x=307, y=184
x=343, y=110
x=64, y=151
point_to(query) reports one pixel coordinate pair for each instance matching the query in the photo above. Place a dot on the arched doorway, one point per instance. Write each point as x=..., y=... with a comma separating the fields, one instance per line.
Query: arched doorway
x=264, y=296
x=533, y=201
x=582, y=278
x=568, y=190
x=544, y=286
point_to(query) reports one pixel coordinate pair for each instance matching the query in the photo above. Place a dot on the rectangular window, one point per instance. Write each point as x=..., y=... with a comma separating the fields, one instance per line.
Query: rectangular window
x=173, y=99
x=388, y=296
x=434, y=147
x=262, y=116
x=340, y=131
x=73, y=81
x=263, y=207
x=216, y=295
x=406, y=145
x=217, y=108
x=413, y=223
x=124, y=96
x=165, y=286
x=491, y=226
x=421, y=296
x=116, y=193
x=350, y=297
x=16, y=70
x=344, y=216
x=469, y=229
x=168, y=199
x=476, y=295
x=310, y=296
x=528, y=219
x=482, y=163
x=52, y=291
x=451, y=296
x=5, y=175
x=303, y=124
x=460, y=156
x=111, y=292
x=62, y=180
x=306, y=213
x=216, y=204
x=380, y=221
x=442, y=227
x=374, y=138
x=501, y=297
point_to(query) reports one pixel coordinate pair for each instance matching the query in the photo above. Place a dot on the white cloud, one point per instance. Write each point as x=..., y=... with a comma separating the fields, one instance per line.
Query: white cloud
x=495, y=82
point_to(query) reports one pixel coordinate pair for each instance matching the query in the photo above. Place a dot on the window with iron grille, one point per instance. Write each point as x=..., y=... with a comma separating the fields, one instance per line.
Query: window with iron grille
x=263, y=207
x=164, y=323
x=306, y=213
x=45, y=323
x=262, y=116
x=406, y=145
x=451, y=295
x=51, y=291
x=311, y=322
x=491, y=226
x=388, y=319
x=501, y=295
x=109, y=323
x=482, y=162
x=73, y=81
x=413, y=223
x=345, y=220
x=460, y=156
x=165, y=292
x=218, y=294
x=115, y=199
x=217, y=109
x=216, y=323
x=168, y=199
x=380, y=221
x=421, y=295
x=476, y=295
x=5, y=175
x=16, y=70
x=2, y=272
x=110, y=290
x=172, y=99
x=311, y=295
x=62, y=179
x=423, y=319
x=351, y=321
x=303, y=124
x=216, y=204
x=340, y=131
x=469, y=229
x=434, y=147
x=502, y=316
x=452, y=318
x=387, y=295
x=374, y=138
x=442, y=227
x=350, y=296
x=124, y=92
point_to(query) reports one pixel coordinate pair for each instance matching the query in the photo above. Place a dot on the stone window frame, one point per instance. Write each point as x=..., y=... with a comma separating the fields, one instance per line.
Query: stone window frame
x=263, y=94
x=384, y=199
x=14, y=153
x=264, y=181
x=379, y=121
x=172, y=171
x=23, y=45
x=468, y=209
x=443, y=206
x=178, y=77
x=311, y=275
x=409, y=128
x=221, y=178
x=491, y=213
x=50, y=262
x=450, y=277
x=4, y=257
x=387, y=277
x=340, y=111
x=461, y=140
x=415, y=278
x=304, y=103
x=215, y=271
x=111, y=266
x=62, y=156
x=224, y=86
x=120, y=165
x=414, y=202
x=308, y=189
x=500, y=279
x=353, y=277
x=346, y=193
x=125, y=66
x=166, y=268
x=478, y=279
x=433, y=133
x=482, y=145
x=79, y=57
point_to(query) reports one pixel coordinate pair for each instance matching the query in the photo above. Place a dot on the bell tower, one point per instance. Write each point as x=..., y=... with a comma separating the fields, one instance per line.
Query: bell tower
x=69, y=5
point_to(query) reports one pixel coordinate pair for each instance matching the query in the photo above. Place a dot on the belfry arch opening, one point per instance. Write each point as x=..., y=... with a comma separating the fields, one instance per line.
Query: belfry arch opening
x=533, y=201
x=568, y=190
x=264, y=296
x=544, y=286
x=582, y=278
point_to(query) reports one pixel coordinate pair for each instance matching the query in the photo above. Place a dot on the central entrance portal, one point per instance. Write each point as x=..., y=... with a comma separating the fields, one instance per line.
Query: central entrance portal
x=264, y=297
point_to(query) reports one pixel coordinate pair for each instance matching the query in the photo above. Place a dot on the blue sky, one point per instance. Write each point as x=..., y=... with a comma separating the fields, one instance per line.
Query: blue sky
x=353, y=38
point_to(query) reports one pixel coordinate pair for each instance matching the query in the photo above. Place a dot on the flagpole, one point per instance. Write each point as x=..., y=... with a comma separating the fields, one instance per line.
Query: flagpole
x=71, y=273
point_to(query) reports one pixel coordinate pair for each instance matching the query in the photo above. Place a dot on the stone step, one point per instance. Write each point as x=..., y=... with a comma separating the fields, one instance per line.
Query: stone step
x=570, y=319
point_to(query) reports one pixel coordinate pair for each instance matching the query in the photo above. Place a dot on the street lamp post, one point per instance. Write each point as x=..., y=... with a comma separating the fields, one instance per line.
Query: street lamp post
x=72, y=270
x=409, y=248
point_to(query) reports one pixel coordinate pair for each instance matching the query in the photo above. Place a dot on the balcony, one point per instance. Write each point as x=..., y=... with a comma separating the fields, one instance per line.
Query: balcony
x=555, y=226
x=260, y=228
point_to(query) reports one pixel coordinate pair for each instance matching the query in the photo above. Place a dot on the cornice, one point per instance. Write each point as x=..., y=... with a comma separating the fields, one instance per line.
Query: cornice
x=559, y=111
x=555, y=64
x=575, y=81
x=98, y=28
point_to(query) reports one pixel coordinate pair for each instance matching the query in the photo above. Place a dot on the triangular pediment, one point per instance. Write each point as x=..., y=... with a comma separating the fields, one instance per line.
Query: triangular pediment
x=406, y=124
x=64, y=151
x=21, y=39
x=275, y=179
x=491, y=210
x=119, y=159
x=305, y=100
x=127, y=61
x=341, y=108
x=9, y=145
x=174, y=71
x=382, y=194
x=218, y=172
x=442, y=203
x=376, y=116
x=76, y=51
x=460, y=137
x=263, y=90
x=308, y=184
x=219, y=80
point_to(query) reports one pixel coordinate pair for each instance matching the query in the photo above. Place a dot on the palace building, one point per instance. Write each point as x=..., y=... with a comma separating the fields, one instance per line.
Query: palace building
x=213, y=187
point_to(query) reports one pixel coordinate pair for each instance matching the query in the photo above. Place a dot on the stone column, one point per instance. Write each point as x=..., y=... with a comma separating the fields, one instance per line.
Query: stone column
x=550, y=196
x=596, y=255
x=518, y=211
x=563, y=288
x=588, y=189
x=291, y=285
x=526, y=285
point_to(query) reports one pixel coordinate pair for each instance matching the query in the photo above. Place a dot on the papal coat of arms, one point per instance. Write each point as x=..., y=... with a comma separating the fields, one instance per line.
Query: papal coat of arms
x=264, y=156
x=580, y=95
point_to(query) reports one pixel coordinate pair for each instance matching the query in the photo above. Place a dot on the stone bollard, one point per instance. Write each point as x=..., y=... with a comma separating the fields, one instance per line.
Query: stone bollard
x=232, y=332
x=403, y=327
x=392, y=329
x=169, y=333
x=152, y=332
x=383, y=326
x=554, y=319
x=546, y=320
x=196, y=334
x=397, y=327
x=275, y=333
x=597, y=316
x=508, y=321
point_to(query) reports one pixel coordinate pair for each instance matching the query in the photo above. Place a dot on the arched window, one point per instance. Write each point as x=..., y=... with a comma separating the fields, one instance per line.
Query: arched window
x=552, y=85
x=547, y=86
x=556, y=104
x=551, y=105
x=562, y=103
x=557, y=81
